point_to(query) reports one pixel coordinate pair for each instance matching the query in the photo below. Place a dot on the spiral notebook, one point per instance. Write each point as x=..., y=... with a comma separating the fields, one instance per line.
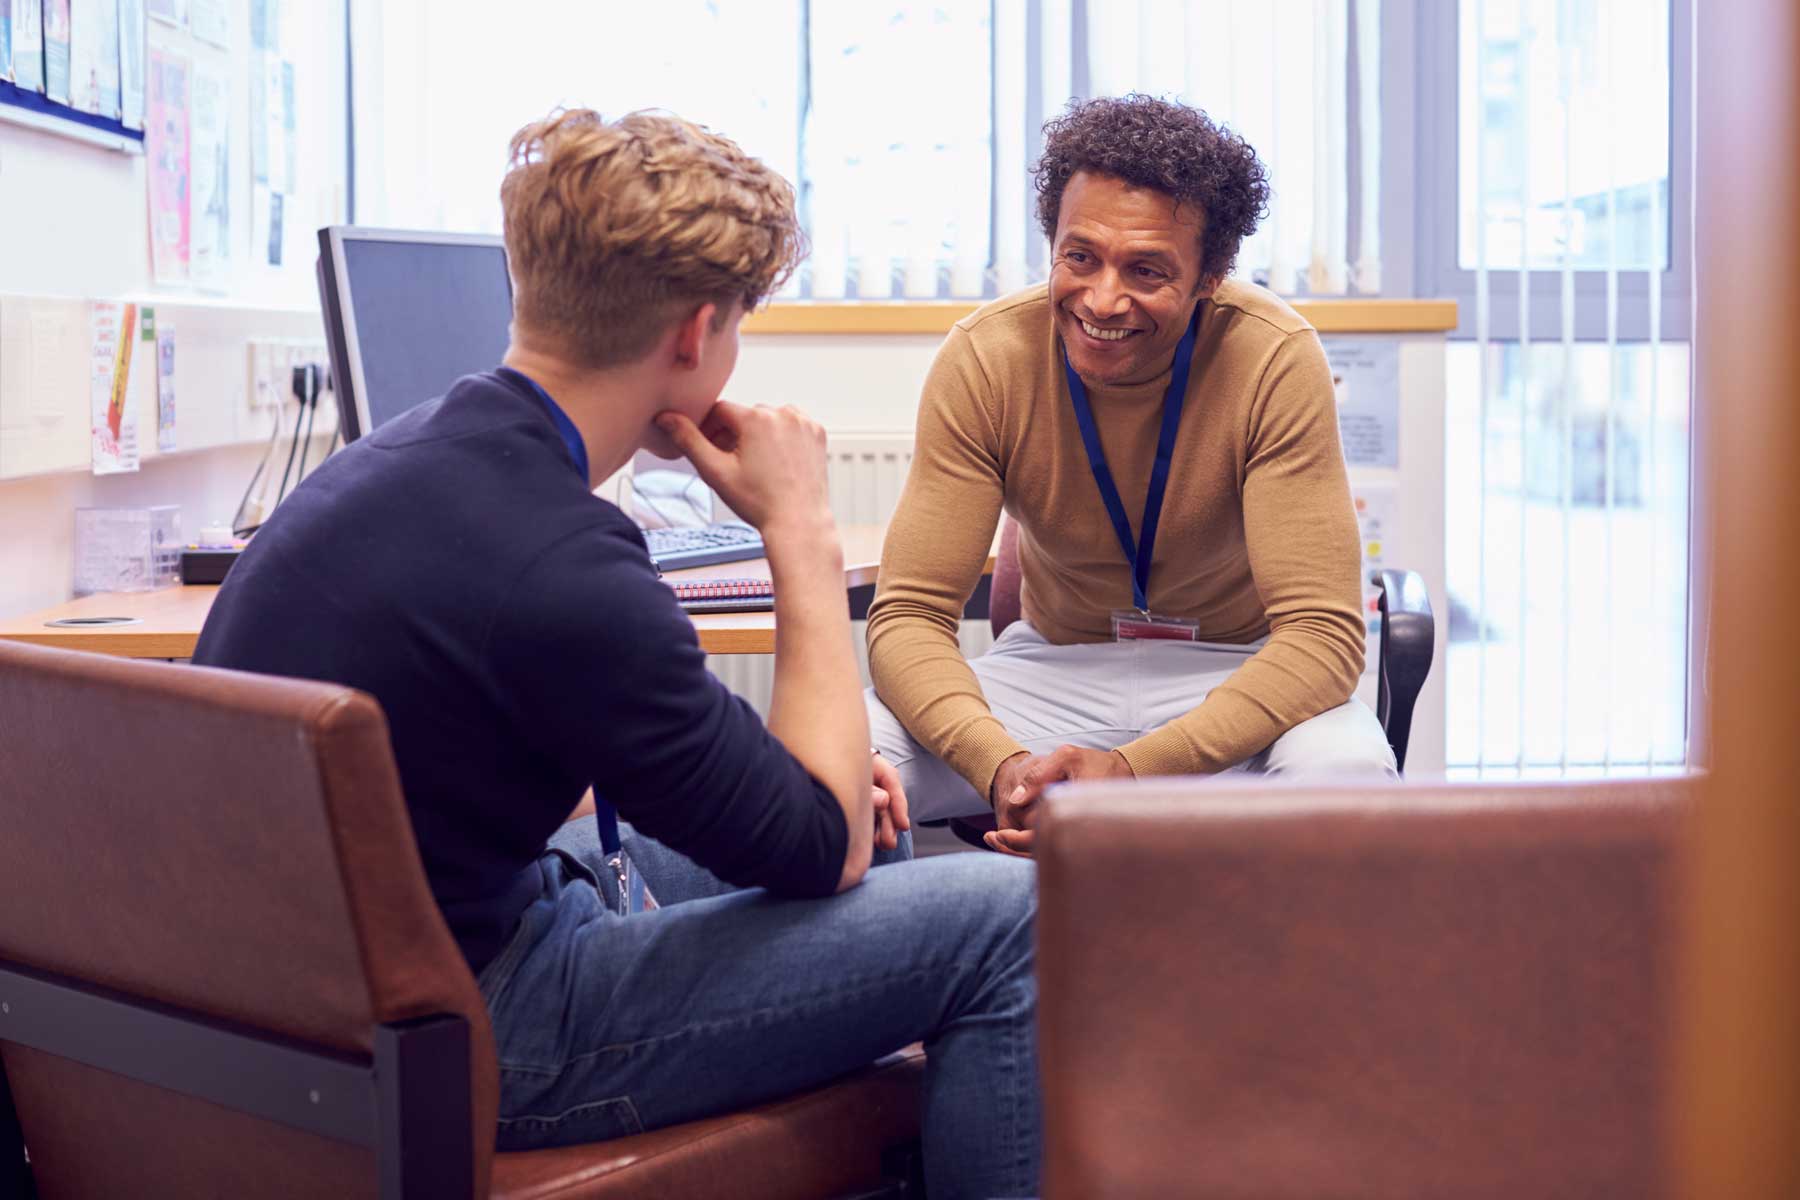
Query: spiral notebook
x=724, y=595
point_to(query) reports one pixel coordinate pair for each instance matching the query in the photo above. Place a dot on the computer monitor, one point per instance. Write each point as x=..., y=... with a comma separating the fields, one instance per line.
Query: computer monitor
x=408, y=314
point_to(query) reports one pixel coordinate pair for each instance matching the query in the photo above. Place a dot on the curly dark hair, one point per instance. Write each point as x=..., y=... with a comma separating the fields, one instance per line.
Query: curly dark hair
x=1168, y=147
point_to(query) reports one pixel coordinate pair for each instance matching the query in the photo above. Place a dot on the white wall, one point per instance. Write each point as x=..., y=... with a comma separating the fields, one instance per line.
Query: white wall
x=74, y=224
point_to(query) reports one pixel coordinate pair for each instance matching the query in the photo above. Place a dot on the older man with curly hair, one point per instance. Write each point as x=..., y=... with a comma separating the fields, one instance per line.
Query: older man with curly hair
x=1166, y=439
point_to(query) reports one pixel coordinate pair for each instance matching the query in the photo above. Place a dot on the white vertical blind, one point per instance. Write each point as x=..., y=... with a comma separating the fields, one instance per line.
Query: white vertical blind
x=1011, y=230
x=909, y=125
x=1278, y=81
x=1368, y=134
x=1565, y=391
x=1609, y=15
x=1327, y=268
x=1569, y=601
x=1524, y=579
x=1485, y=374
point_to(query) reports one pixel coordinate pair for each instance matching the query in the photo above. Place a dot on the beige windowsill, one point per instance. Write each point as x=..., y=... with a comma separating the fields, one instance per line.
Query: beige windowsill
x=936, y=316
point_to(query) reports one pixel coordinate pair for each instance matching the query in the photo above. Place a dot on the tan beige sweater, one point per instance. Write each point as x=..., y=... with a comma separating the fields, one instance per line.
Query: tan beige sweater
x=1257, y=537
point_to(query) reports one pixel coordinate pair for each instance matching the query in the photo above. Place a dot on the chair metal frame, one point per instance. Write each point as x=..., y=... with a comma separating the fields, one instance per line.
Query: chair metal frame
x=408, y=1102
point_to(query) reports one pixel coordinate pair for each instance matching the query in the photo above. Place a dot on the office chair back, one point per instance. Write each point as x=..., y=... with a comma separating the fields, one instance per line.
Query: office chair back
x=218, y=844
x=1004, y=592
x=1423, y=991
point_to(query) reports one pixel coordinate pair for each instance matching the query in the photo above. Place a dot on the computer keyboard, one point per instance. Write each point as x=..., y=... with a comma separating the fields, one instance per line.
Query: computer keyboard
x=673, y=549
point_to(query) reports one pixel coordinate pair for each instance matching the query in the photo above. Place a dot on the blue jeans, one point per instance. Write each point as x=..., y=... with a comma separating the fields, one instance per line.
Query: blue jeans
x=608, y=1025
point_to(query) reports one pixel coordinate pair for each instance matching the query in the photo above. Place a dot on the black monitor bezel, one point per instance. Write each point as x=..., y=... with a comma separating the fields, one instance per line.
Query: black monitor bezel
x=339, y=309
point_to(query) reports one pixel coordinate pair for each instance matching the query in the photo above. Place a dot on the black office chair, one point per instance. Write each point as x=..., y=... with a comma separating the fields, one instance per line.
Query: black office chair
x=1407, y=636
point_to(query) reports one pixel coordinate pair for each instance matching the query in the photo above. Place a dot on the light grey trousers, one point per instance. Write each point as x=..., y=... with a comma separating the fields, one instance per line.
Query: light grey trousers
x=1100, y=696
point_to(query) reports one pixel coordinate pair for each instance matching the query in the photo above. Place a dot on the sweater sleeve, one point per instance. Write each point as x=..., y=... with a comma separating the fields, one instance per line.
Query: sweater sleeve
x=605, y=673
x=1305, y=558
x=936, y=547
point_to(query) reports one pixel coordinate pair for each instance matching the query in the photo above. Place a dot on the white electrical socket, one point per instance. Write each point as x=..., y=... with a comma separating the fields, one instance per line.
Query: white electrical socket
x=260, y=384
x=271, y=368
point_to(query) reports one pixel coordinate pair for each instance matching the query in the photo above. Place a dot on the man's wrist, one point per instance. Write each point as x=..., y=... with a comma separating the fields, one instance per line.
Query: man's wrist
x=994, y=783
x=800, y=550
x=805, y=528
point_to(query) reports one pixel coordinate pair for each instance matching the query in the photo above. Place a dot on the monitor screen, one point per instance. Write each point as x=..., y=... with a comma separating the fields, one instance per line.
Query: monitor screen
x=415, y=313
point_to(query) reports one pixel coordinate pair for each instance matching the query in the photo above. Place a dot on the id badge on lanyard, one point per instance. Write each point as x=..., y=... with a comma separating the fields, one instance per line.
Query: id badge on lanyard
x=1139, y=622
x=1133, y=625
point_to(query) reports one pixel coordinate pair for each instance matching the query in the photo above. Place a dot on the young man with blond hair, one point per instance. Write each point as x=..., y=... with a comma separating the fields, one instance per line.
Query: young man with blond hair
x=456, y=565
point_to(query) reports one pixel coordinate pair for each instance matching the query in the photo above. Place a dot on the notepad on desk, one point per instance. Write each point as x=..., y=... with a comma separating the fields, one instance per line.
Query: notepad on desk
x=724, y=595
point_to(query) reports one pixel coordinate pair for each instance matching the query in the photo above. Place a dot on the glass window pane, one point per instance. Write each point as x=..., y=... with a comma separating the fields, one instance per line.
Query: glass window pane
x=456, y=84
x=899, y=142
x=1514, y=115
x=1567, y=633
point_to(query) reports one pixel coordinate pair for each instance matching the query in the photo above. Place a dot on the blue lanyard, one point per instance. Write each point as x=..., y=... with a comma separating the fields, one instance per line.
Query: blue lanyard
x=604, y=816
x=1137, y=556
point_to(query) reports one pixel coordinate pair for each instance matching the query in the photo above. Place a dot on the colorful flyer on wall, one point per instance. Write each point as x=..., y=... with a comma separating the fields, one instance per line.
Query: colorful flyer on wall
x=211, y=22
x=131, y=63
x=28, y=45
x=1377, y=516
x=105, y=44
x=275, y=113
x=290, y=139
x=210, y=194
x=115, y=446
x=265, y=25
x=1365, y=374
x=56, y=50
x=84, y=56
x=165, y=387
x=166, y=148
x=6, y=73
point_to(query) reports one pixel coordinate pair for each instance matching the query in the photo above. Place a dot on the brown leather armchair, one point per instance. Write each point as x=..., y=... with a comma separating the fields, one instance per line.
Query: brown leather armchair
x=222, y=974
x=1423, y=991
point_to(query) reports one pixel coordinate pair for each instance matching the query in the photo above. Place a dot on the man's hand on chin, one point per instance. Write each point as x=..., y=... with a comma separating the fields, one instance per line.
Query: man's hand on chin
x=1020, y=782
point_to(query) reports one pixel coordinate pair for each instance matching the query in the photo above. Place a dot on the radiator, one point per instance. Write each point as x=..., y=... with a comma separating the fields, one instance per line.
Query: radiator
x=867, y=473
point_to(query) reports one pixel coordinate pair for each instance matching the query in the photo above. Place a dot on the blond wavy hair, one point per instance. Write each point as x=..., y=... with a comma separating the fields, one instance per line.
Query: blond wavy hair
x=617, y=229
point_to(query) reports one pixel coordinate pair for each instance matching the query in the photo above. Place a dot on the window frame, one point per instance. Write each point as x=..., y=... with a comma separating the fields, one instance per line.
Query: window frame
x=1432, y=128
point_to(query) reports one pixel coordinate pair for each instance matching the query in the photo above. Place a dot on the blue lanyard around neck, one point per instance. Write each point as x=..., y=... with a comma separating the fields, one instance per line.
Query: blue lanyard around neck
x=1138, y=556
x=604, y=816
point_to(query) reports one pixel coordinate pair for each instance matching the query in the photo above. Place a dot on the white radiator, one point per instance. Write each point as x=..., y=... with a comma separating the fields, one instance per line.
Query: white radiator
x=867, y=473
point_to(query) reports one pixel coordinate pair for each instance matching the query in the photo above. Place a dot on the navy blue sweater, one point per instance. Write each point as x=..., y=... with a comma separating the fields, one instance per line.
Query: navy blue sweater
x=455, y=566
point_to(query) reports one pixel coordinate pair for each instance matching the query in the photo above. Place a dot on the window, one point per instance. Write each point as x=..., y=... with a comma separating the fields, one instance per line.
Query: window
x=1513, y=105
x=1554, y=207
x=922, y=192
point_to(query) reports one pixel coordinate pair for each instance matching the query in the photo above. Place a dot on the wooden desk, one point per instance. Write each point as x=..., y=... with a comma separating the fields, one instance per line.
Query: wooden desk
x=166, y=623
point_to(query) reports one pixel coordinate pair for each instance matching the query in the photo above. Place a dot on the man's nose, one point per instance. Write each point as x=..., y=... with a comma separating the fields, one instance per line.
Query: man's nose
x=1107, y=298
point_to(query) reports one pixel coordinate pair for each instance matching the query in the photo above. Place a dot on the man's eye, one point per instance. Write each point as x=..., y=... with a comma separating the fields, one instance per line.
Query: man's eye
x=1075, y=256
x=1150, y=273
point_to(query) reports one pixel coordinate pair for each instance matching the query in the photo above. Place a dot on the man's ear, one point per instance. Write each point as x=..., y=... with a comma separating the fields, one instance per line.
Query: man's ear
x=1207, y=287
x=690, y=335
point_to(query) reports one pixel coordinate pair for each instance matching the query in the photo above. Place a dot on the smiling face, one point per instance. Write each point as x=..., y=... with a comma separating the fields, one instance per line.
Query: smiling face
x=1124, y=278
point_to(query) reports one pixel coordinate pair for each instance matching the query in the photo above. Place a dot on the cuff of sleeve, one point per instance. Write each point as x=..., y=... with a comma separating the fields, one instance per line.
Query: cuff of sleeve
x=980, y=751
x=1161, y=752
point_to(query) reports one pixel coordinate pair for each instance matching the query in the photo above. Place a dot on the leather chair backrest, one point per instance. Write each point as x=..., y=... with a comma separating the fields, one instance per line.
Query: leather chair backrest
x=1004, y=588
x=226, y=843
x=1413, y=992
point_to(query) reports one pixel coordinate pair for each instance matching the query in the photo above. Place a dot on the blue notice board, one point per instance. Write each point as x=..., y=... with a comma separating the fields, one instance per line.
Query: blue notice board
x=26, y=30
